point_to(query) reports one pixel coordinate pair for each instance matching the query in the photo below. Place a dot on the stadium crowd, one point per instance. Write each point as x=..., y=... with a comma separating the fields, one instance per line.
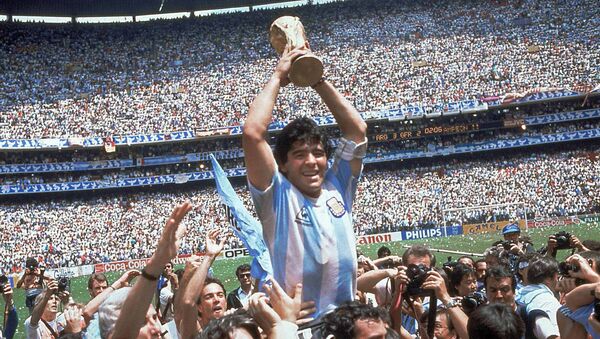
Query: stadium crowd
x=514, y=291
x=416, y=196
x=162, y=77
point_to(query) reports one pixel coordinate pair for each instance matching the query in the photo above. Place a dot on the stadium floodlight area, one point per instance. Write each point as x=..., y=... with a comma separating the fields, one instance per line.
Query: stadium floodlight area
x=514, y=214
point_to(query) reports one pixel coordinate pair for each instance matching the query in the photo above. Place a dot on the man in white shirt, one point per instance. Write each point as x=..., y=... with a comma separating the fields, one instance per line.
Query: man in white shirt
x=42, y=323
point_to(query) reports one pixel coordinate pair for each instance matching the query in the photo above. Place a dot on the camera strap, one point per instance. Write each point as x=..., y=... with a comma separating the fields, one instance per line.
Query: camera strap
x=52, y=331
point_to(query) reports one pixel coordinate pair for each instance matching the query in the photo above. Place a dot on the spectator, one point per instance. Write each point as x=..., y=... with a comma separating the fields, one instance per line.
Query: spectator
x=495, y=321
x=238, y=298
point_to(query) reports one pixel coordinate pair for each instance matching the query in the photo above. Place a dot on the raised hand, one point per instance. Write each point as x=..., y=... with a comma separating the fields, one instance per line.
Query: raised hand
x=213, y=248
x=172, y=234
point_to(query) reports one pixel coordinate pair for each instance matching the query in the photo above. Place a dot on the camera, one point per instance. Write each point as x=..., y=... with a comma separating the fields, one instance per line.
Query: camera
x=563, y=240
x=63, y=284
x=3, y=281
x=564, y=268
x=506, y=244
x=472, y=301
x=417, y=275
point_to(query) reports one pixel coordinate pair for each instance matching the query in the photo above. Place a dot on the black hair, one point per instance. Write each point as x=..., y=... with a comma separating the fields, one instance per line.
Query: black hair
x=242, y=268
x=495, y=321
x=593, y=256
x=301, y=129
x=418, y=251
x=467, y=257
x=209, y=281
x=592, y=245
x=457, y=274
x=383, y=252
x=438, y=311
x=541, y=269
x=341, y=322
x=499, y=272
x=224, y=327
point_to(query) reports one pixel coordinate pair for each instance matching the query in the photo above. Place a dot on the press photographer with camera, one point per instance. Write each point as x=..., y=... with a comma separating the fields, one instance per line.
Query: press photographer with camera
x=456, y=317
x=32, y=281
x=582, y=301
x=382, y=283
x=563, y=241
x=11, y=319
x=43, y=320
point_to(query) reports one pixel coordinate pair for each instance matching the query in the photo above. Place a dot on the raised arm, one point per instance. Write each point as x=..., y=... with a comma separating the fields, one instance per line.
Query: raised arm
x=196, y=271
x=135, y=308
x=94, y=304
x=349, y=121
x=260, y=163
x=38, y=310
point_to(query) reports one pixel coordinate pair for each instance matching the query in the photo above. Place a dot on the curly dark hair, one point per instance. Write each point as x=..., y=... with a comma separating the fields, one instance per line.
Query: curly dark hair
x=459, y=271
x=301, y=129
x=340, y=323
x=224, y=327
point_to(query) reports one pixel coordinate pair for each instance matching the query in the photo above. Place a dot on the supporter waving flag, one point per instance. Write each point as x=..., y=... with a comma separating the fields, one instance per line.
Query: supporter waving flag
x=248, y=229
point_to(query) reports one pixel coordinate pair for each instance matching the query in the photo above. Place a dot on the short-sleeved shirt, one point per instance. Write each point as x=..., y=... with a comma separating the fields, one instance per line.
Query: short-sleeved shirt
x=311, y=241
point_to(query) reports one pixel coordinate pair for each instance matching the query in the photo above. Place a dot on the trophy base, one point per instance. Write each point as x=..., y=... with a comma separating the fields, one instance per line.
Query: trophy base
x=306, y=71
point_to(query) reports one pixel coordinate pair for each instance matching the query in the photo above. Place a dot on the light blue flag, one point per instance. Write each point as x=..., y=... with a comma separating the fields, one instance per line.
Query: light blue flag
x=250, y=229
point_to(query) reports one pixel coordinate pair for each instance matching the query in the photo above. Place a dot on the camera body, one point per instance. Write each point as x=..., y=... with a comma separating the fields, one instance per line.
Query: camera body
x=564, y=268
x=417, y=275
x=507, y=244
x=472, y=301
x=563, y=240
x=64, y=284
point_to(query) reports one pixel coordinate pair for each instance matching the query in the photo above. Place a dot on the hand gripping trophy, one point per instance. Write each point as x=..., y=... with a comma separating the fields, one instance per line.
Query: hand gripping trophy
x=306, y=70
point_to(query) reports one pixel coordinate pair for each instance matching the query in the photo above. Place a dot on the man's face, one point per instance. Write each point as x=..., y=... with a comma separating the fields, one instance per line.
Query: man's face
x=51, y=308
x=466, y=261
x=499, y=290
x=212, y=302
x=480, y=268
x=426, y=260
x=441, y=330
x=369, y=329
x=168, y=269
x=98, y=287
x=245, y=279
x=305, y=167
x=511, y=236
x=468, y=285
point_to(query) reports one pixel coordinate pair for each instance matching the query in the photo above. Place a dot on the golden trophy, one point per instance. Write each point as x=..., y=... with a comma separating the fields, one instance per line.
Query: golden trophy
x=306, y=70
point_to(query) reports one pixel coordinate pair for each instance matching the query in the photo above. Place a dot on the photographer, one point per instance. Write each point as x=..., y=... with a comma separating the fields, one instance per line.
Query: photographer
x=457, y=319
x=563, y=241
x=11, y=319
x=45, y=311
x=580, y=302
x=32, y=282
x=518, y=245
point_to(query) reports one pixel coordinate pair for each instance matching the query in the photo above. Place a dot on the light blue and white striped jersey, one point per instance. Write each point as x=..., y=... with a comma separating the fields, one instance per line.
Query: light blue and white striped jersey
x=312, y=240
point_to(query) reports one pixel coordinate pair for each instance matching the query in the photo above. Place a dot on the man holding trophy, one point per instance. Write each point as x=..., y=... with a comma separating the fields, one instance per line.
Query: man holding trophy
x=304, y=205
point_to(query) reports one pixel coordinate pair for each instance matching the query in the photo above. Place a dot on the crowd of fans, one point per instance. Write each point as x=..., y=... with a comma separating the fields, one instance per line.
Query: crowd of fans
x=514, y=291
x=66, y=232
x=99, y=80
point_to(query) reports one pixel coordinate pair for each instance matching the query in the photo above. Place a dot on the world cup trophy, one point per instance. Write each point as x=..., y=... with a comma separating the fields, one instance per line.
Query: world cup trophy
x=306, y=70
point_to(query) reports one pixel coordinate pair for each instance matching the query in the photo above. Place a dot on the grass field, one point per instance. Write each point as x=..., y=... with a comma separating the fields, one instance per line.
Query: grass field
x=225, y=269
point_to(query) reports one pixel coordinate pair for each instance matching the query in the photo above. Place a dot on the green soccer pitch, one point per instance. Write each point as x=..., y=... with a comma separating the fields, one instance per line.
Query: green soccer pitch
x=225, y=269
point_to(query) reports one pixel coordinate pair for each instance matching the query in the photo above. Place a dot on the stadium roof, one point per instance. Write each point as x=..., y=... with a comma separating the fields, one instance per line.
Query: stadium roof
x=104, y=8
